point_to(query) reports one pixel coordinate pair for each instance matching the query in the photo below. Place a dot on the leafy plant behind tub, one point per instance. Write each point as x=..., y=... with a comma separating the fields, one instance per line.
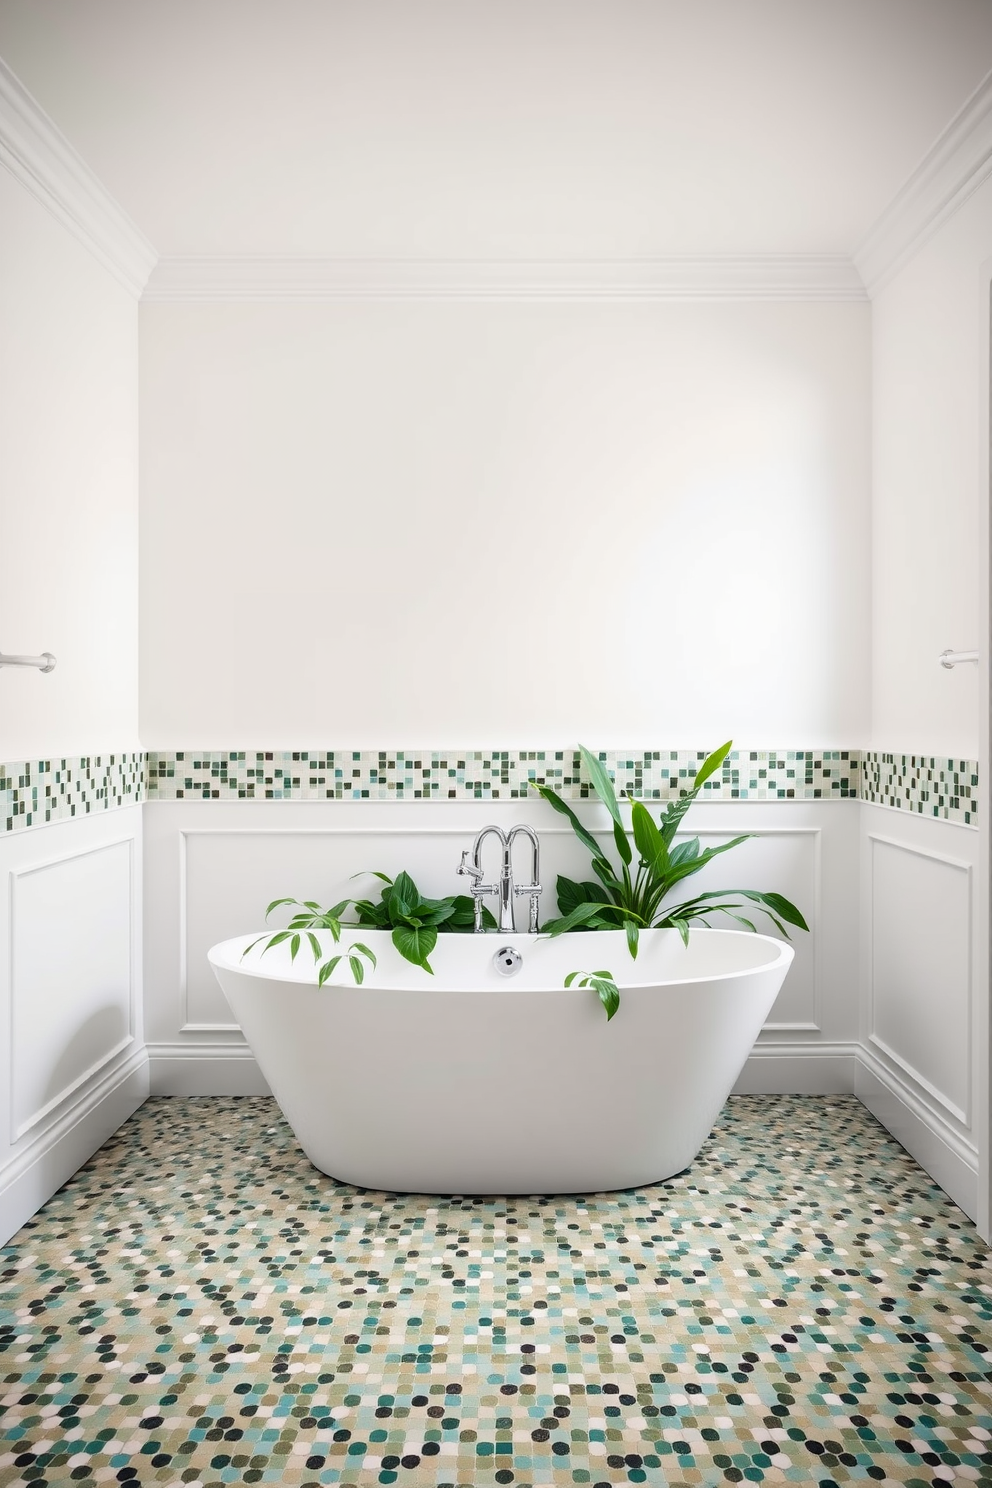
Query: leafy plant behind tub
x=635, y=899
x=401, y=908
x=628, y=898
x=414, y=920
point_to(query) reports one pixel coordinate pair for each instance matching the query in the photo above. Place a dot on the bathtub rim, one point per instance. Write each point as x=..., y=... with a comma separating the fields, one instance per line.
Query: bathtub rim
x=224, y=956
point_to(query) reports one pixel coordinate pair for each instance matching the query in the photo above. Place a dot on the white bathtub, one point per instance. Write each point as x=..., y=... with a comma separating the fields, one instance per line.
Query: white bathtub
x=471, y=1083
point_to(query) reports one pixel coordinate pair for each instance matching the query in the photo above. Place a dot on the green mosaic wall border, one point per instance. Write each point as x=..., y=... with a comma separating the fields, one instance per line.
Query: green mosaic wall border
x=497, y=775
x=35, y=792
x=928, y=785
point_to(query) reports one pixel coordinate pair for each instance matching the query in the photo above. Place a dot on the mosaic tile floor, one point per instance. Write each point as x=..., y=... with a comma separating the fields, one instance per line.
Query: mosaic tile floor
x=200, y=1306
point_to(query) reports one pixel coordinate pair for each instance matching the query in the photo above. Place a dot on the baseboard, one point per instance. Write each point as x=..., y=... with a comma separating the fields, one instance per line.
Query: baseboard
x=38, y=1170
x=776, y=1067
x=937, y=1146
x=204, y=1069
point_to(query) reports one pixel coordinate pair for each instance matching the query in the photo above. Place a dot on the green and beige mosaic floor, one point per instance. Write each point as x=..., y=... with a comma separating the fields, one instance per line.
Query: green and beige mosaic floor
x=200, y=1306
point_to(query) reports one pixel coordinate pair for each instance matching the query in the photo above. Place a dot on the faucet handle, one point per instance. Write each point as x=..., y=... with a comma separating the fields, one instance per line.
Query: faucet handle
x=472, y=869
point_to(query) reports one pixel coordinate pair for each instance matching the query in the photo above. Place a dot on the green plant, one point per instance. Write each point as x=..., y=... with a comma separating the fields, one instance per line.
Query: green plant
x=602, y=983
x=414, y=920
x=634, y=898
x=401, y=908
x=354, y=954
x=311, y=917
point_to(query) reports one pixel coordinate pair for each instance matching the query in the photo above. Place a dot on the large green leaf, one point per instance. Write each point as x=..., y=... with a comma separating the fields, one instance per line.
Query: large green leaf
x=685, y=852
x=682, y=927
x=603, y=786
x=776, y=903
x=372, y=914
x=403, y=896
x=601, y=782
x=650, y=843
x=783, y=907
x=571, y=894
x=603, y=870
x=693, y=865
x=711, y=764
x=434, y=911
x=585, y=837
x=415, y=943
x=623, y=843
x=671, y=817
x=608, y=993
x=462, y=912
x=715, y=903
x=463, y=915
x=585, y=916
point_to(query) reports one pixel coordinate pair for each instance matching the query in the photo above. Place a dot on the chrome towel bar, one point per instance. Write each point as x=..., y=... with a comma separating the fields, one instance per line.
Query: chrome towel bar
x=950, y=659
x=45, y=662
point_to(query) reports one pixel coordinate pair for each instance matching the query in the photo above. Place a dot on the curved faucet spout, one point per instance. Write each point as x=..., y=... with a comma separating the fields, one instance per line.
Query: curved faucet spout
x=534, y=887
x=503, y=889
x=503, y=886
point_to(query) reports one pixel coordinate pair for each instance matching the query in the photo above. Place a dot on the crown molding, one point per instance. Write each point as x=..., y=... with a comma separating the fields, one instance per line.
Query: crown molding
x=39, y=156
x=952, y=169
x=787, y=277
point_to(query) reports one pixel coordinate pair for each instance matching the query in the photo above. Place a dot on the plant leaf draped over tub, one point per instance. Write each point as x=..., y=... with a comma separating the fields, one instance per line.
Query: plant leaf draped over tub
x=602, y=984
x=311, y=917
x=401, y=907
x=634, y=898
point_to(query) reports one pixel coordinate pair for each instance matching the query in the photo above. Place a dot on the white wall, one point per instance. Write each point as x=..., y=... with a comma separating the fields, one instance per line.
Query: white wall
x=68, y=489
x=72, y=1058
x=211, y=867
x=925, y=978
x=344, y=505
x=928, y=564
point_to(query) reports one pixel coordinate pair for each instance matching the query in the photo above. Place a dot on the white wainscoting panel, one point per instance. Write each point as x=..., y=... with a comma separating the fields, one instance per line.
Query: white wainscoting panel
x=922, y=955
x=72, y=1059
x=225, y=870
x=212, y=867
x=919, y=1005
x=72, y=991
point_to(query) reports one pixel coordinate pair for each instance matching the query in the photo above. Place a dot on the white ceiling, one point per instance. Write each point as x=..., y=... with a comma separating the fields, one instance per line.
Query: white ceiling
x=562, y=129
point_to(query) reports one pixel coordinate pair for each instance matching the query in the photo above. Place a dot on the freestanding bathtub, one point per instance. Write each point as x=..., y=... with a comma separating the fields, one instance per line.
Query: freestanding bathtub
x=469, y=1082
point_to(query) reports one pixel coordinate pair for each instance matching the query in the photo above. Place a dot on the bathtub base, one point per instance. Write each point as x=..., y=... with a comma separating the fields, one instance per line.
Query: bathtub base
x=504, y=1090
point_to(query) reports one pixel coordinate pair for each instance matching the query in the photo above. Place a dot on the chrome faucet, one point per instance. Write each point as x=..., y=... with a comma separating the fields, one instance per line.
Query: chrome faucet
x=504, y=888
x=533, y=889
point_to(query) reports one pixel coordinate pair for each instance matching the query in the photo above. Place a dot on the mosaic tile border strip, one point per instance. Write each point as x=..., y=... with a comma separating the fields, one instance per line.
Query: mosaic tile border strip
x=35, y=792
x=497, y=775
x=926, y=784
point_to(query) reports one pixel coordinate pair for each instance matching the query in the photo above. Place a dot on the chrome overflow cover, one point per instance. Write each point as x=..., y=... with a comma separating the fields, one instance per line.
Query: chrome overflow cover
x=508, y=961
